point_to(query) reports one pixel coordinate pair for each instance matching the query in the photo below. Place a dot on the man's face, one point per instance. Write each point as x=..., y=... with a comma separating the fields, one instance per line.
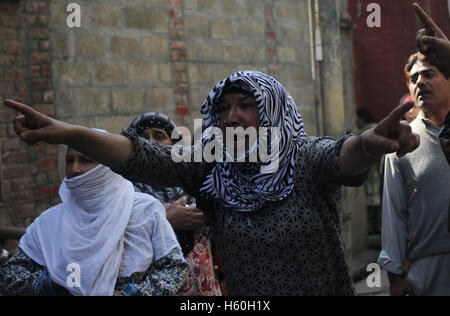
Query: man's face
x=157, y=135
x=428, y=86
x=78, y=164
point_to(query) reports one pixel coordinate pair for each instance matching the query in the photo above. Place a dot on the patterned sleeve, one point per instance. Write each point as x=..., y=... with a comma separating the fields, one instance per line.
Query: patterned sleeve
x=323, y=156
x=22, y=276
x=152, y=164
x=163, y=278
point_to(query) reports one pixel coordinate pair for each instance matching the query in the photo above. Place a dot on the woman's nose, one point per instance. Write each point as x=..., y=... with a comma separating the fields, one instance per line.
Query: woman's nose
x=233, y=117
x=74, y=169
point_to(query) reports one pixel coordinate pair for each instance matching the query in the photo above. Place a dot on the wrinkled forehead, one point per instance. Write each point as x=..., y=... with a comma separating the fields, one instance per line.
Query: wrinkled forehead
x=261, y=87
x=71, y=152
x=422, y=66
x=155, y=120
x=154, y=129
x=74, y=153
x=273, y=102
x=229, y=97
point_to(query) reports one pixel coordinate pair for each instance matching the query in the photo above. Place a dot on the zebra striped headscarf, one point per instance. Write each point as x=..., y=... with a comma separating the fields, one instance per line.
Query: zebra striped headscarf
x=246, y=189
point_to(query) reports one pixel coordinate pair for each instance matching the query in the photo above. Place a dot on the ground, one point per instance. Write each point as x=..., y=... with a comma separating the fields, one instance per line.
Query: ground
x=361, y=261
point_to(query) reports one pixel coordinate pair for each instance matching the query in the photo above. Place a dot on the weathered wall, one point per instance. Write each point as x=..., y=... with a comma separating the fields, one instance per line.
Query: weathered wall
x=30, y=178
x=355, y=206
x=382, y=52
x=131, y=57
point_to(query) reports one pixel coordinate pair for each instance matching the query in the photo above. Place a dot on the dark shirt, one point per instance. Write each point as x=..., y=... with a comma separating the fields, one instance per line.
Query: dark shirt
x=291, y=247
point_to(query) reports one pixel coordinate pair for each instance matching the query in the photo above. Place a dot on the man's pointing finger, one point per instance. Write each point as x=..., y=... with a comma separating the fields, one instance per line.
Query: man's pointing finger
x=430, y=27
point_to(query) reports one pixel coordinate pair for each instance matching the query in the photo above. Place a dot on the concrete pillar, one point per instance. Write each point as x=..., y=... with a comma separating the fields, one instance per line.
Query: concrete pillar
x=338, y=108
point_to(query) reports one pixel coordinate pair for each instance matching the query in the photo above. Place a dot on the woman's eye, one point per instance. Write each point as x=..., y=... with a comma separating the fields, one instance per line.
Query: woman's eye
x=220, y=109
x=247, y=105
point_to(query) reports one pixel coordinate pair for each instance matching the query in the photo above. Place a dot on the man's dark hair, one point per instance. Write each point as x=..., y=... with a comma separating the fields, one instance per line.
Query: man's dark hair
x=414, y=58
x=365, y=115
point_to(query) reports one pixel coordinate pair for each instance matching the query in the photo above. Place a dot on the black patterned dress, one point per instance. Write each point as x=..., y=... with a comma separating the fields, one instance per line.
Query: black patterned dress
x=291, y=247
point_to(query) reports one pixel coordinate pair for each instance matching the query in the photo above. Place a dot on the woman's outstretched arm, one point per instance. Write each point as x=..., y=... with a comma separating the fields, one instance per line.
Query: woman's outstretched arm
x=32, y=127
x=359, y=153
x=132, y=157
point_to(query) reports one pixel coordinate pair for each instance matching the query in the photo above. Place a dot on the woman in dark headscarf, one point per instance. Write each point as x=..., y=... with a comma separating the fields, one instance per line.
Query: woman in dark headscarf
x=186, y=219
x=278, y=232
x=157, y=127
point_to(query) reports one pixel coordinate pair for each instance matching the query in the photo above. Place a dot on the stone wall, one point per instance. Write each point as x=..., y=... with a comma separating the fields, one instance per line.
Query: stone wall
x=134, y=56
x=128, y=58
x=382, y=52
x=29, y=174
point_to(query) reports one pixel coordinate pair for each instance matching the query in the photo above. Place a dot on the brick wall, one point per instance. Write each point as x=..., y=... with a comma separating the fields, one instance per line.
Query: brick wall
x=269, y=36
x=30, y=177
x=131, y=57
x=382, y=52
x=167, y=55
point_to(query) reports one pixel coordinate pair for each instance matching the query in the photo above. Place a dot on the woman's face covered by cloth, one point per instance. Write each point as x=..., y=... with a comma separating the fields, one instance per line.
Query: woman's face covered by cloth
x=78, y=164
x=157, y=135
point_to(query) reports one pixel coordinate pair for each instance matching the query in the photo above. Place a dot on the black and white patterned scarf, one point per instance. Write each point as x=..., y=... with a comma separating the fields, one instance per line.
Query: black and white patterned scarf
x=238, y=186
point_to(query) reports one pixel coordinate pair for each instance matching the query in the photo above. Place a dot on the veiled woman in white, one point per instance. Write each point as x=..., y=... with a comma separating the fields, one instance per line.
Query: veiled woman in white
x=103, y=239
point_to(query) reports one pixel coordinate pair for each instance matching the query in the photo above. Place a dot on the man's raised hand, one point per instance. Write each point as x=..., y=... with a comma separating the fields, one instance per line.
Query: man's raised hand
x=431, y=41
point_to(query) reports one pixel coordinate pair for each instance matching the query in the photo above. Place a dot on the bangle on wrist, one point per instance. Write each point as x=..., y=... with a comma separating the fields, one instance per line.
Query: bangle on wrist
x=364, y=149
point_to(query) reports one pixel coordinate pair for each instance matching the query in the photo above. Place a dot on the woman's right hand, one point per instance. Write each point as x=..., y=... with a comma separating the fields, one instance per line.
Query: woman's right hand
x=184, y=217
x=33, y=126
